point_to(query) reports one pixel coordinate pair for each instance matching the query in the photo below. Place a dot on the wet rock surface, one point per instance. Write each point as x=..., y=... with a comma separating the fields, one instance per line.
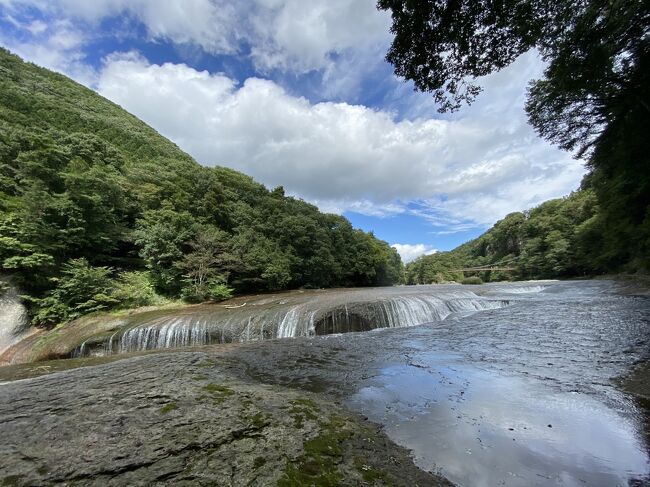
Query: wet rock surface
x=638, y=381
x=182, y=418
x=472, y=397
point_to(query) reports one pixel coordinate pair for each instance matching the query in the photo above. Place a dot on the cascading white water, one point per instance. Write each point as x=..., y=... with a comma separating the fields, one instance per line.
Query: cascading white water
x=289, y=324
x=13, y=316
x=172, y=333
x=426, y=309
x=295, y=316
x=530, y=288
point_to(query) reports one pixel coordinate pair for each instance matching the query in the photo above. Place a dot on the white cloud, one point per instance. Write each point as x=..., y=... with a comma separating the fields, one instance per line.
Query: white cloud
x=364, y=207
x=459, y=171
x=208, y=24
x=409, y=252
x=57, y=46
x=37, y=27
x=299, y=35
x=342, y=156
x=290, y=35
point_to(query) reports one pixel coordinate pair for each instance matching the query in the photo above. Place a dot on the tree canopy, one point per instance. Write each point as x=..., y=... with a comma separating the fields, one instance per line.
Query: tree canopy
x=594, y=50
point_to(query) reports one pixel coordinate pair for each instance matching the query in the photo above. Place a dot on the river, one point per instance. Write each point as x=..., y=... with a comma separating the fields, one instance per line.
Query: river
x=520, y=394
x=517, y=396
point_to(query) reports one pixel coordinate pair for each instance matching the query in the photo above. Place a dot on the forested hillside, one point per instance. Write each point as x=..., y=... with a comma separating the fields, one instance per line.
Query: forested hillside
x=565, y=237
x=99, y=211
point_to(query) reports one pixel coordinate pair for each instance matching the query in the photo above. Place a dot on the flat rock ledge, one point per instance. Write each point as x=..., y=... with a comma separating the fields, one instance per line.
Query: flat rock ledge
x=183, y=419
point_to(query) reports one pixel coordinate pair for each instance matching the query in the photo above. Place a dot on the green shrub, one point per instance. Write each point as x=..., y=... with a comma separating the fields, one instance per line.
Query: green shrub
x=193, y=294
x=472, y=280
x=80, y=290
x=134, y=289
x=220, y=292
x=214, y=289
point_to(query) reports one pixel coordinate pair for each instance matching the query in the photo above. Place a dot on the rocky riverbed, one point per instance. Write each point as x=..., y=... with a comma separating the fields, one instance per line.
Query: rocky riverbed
x=187, y=418
x=523, y=395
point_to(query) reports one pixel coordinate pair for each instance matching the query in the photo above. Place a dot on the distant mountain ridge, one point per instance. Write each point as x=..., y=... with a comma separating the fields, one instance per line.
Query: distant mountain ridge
x=559, y=238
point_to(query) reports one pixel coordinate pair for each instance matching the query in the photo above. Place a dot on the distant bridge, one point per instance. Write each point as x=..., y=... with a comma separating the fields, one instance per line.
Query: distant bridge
x=504, y=265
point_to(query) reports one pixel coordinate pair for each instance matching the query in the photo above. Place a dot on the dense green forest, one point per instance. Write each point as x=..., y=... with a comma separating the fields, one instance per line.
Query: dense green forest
x=564, y=237
x=98, y=211
x=555, y=239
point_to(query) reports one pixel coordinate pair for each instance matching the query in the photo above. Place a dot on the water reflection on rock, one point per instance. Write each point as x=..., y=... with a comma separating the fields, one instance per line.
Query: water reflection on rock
x=483, y=429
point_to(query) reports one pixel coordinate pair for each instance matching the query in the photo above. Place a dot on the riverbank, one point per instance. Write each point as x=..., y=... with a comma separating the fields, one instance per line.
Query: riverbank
x=631, y=284
x=188, y=418
x=637, y=383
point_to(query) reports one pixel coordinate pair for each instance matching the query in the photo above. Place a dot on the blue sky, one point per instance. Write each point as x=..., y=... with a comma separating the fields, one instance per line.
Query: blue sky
x=298, y=94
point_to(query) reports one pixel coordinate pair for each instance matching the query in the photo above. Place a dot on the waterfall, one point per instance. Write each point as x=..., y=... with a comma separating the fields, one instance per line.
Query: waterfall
x=13, y=316
x=172, y=333
x=294, y=315
x=289, y=324
x=80, y=351
x=524, y=289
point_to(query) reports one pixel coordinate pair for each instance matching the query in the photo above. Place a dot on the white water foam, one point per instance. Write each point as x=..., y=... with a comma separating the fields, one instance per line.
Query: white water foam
x=293, y=321
x=13, y=318
x=533, y=288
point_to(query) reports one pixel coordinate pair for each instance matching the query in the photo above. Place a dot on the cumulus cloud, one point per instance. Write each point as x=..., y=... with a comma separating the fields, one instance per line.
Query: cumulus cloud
x=208, y=24
x=57, y=45
x=303, y=35
x=343, y=156
x=277, y=34
x=458, y=171
x=410, y=252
